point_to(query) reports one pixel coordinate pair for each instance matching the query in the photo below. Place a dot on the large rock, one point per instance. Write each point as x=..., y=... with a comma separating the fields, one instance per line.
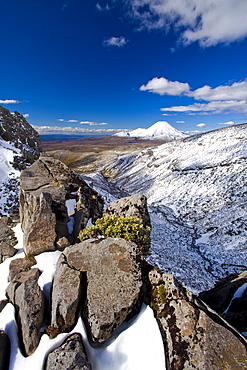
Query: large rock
x=195, y=336
x=67, y=291
x=45, y=188
x=115, y=284
x=28, y=299
x=132, y=206
x=69, y=356
x=4, y=350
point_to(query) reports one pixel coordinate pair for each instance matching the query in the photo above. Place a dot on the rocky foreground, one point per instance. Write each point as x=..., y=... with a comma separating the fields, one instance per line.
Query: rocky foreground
x=103, y=280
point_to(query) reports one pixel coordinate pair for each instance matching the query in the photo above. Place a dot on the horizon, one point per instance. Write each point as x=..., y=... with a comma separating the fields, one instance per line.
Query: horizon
x=100, y=67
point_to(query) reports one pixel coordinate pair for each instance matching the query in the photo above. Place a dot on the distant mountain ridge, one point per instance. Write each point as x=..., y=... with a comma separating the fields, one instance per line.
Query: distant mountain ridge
x=159, y=130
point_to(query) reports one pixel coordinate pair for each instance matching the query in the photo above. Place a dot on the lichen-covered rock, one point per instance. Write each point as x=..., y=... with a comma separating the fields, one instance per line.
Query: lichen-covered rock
x=132, y=206
x=4, y=350
x=70, y=355
x=114, y=282
x=195, y=337
x=67, y=292
x=28, y=299
x=46, y=186
x=20, y=264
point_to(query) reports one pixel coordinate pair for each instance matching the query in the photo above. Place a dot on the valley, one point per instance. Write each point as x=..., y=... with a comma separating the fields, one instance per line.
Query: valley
x=196, y=190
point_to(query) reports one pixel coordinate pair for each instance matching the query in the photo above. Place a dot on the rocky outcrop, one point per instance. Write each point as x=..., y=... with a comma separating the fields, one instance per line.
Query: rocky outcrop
x=27, y=297
x=4, y=350
x=15, y=129
x=114, y=284
x=132, y=206
x=46, y=189
x=195, y=336
x=69, y=356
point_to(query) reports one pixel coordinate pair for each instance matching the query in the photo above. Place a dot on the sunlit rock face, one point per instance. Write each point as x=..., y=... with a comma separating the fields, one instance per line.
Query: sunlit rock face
x=46, y=187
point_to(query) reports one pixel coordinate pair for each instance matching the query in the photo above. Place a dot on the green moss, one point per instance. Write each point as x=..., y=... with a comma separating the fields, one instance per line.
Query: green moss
x=128, y=228
x=162, y=293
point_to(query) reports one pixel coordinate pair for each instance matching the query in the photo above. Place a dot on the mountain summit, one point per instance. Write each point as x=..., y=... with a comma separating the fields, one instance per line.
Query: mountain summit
x=159, y=130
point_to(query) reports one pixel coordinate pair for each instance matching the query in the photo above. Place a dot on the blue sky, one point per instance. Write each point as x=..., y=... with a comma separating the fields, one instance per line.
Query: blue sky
x=86, y=66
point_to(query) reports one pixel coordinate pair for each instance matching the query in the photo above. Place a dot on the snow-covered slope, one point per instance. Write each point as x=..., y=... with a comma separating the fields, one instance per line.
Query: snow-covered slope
x=160, y=130
x=8, y=178
x=19, y=147
x=197, y=193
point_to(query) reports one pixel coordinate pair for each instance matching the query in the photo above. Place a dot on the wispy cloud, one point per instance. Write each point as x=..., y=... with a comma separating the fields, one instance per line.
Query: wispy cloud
x=229, y=123
x=102, y=8
x=72, y=120
x=26, y=115
x=115, y=41
x=201, y=125
x=9, y=101
x=213, y=107
x=208, y=22
x=180, y=121
x=90, y=123
x=60, y=119
x=42, y=130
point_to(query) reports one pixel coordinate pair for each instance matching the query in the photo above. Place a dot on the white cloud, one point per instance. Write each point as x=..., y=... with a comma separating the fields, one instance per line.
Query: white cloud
x=26, y=115
x=60, y=119
x=162, y=86
x=229, y=123
x=42, y=130
x=180, y=121
x=115, y=41
x=231, y=106
x=93, y=123
x=201, y=125
x=222, y=99
x=209, y=22
x=72, y=120
x=7, y=101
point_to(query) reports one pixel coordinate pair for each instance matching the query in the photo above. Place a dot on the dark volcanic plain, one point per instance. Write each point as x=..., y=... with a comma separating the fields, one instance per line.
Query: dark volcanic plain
x=91, y=154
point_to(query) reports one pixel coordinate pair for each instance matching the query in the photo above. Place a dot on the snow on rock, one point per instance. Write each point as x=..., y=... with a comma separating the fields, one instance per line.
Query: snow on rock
x=159, y=130
x=8, y=177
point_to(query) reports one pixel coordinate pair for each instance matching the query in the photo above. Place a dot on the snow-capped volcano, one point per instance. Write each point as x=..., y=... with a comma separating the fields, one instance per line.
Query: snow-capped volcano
x=159, y=130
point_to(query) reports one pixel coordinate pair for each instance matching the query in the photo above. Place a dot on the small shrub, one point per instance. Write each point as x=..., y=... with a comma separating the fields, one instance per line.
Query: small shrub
x=128, y=228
